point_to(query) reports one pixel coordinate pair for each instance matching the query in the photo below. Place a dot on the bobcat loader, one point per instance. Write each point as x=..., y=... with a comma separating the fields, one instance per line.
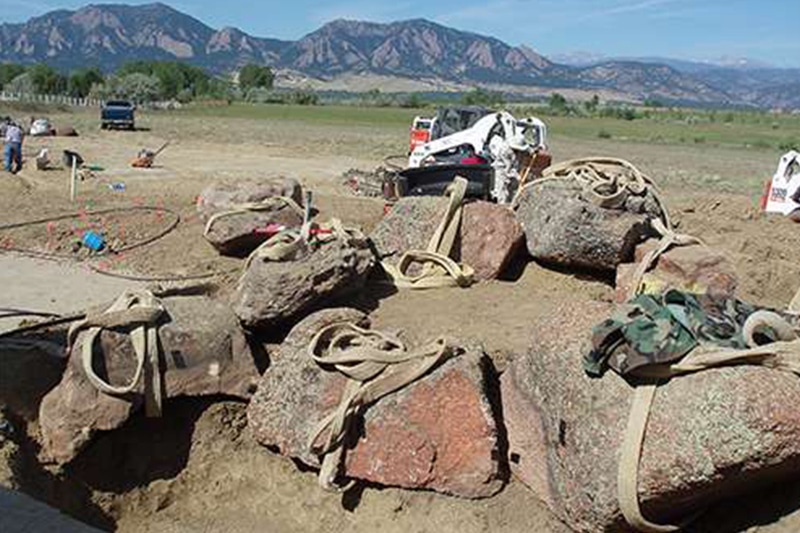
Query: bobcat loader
x=496, y=154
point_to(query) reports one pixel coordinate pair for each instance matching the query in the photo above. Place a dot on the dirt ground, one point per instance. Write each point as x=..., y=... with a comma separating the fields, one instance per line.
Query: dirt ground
x=196, y=469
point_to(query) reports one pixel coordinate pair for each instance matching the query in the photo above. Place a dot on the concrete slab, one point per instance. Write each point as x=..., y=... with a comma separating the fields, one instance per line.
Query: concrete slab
x=49, y=286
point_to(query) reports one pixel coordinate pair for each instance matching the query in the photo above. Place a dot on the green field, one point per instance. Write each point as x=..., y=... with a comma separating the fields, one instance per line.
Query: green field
x=758, y=131
x=325, y=115
x=778, y=134
x=749, y=130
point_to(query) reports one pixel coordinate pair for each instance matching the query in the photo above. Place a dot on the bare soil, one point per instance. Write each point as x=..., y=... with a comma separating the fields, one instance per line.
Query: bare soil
x=197, y=468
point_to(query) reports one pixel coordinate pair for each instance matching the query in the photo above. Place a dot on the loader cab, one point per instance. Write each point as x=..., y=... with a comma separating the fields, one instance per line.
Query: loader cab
x=421, y=130
x=450, y=120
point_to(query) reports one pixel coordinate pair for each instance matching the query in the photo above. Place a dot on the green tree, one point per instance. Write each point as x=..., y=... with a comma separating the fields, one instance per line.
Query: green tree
x=9, y=71
x=47, y=80
x=255, y=77
x=81, y=82
x=140, y=87
x=174, y=78
x=137, y=87
x=22, y=84
x=557, y=101
x=592, y=105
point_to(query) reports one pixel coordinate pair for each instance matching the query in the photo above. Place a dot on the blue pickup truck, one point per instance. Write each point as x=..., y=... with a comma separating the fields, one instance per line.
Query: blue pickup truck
x=117, y=114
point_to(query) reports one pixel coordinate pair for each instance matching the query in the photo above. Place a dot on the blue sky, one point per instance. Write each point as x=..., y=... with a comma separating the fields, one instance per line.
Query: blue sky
x=767, y=30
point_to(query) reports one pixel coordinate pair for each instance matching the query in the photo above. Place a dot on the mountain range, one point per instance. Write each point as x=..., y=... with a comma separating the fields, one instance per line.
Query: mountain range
x=415, y=54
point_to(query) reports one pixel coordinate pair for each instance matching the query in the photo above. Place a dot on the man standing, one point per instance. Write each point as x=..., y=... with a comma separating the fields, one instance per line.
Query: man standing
x=13, y=148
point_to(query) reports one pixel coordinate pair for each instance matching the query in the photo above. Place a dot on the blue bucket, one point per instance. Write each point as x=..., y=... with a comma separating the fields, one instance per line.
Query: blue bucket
x=94, y=241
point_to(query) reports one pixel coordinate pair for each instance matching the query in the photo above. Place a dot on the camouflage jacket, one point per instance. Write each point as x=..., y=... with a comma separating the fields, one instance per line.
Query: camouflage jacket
x=661, y=329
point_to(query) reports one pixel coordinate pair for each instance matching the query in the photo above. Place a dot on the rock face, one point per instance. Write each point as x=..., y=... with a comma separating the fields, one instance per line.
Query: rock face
x=438, y=433
x=203, y=352
x=241, y=233
x=271, y=293
x=690, y=268
x=711, y=435
x=227, y=195
x=489, y=238
x=563, y=229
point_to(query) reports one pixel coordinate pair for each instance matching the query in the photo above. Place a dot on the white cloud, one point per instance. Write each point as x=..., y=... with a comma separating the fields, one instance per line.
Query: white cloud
x=630, y=7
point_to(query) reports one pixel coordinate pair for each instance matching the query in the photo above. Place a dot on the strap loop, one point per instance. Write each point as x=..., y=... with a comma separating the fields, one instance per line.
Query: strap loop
x=438, y=269
x=141, y=311
x=271, y=203
x=375, y=365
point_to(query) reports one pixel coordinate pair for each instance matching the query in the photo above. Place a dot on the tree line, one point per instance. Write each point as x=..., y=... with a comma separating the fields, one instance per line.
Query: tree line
x=140, y=81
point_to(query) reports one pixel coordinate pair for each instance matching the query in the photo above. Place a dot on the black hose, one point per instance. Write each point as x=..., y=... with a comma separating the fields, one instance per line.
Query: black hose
x=42, y=325
x=172, y=225
x=10, y=313
x=164, y=278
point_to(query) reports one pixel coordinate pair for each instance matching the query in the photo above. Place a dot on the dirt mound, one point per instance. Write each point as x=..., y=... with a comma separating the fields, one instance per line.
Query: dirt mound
x=764, y=249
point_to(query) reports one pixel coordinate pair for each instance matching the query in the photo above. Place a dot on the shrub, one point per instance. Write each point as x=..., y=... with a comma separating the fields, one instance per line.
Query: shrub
x=304, y=97
x=762, y=144
x=413, y=101
x=592, y=105
x=9, y=71
x=81, y=81
x=260, y=95
x=620, y=113
x=173, y=77
x=255, y=76
x=137, y=87
x=483, y=97
x=22, y=84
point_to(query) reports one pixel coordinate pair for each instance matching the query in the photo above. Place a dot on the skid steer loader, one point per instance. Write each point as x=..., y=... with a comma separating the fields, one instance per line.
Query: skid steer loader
x=497, y=154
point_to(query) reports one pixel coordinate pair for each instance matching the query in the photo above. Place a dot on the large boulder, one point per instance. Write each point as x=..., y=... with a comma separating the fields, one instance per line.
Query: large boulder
x=563, y=228
x=711, y=435
x=273, y=293
x=694, y=268
x=438, y=433
x=239, y=233
x=227, y=195
x=203, y=352
x=489, y=235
